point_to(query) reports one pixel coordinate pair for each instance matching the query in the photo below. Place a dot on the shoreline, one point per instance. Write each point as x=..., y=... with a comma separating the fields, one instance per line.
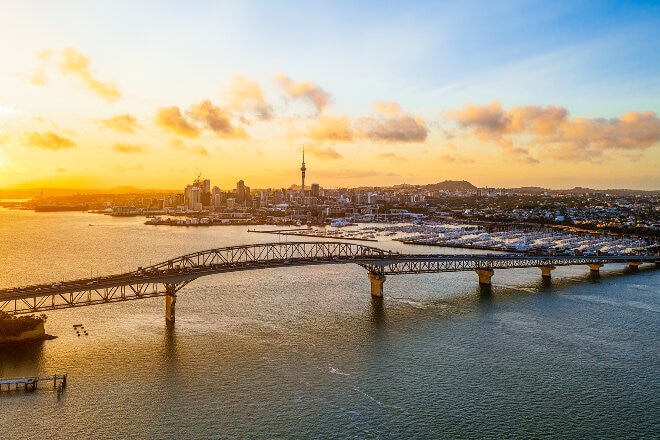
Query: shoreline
x=45, y=337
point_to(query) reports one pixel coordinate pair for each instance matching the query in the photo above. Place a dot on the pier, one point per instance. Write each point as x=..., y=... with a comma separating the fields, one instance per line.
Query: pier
x=32, y=383
x=310, y=232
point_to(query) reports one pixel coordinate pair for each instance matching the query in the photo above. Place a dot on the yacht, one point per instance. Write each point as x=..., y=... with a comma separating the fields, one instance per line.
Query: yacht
x=339, y=222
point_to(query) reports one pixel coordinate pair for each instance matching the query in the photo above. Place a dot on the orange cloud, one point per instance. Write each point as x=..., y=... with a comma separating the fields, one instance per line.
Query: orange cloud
x=216, y=119
x=171, y=119
x=323, y=153
x=333, y=128
x=307, y=91
x=488, y=120
x=246, y=95
x=129, y=148
x=199, y=117
x=390, y=124
x=75, y=63
x=47, y=140
x=392, y=156
x=197, y=149
x=455, y=159
x=123, y=123
x=562, y=138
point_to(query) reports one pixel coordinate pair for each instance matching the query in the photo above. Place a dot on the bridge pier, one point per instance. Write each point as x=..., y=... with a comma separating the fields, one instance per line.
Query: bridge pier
x=545, y=271
x=377, y=281
x=633, y=265
x=595, y=267
x=170, y=302
x=485, y=275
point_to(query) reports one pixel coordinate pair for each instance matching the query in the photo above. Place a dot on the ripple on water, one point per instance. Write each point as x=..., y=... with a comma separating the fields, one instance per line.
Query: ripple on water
x=306, y=353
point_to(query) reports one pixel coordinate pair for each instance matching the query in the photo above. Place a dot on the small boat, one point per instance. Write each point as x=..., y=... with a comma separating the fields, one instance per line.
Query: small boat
x=339, y=222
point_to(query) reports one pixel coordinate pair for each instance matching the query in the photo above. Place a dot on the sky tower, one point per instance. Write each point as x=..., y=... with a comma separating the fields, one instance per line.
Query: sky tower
x=302, y=169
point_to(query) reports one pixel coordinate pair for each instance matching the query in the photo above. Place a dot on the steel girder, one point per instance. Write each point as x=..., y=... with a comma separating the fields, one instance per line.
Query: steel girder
x=413, y=264
x=151, y=281
x=32, y=303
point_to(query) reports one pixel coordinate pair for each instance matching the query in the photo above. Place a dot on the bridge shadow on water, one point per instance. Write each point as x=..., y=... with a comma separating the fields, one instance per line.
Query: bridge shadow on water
x=171, y=350
x=488, y=295
x=485, y=293
x=378, y=315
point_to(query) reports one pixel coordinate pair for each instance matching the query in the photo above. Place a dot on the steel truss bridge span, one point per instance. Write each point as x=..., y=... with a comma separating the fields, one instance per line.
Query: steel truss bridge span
x=167, y=278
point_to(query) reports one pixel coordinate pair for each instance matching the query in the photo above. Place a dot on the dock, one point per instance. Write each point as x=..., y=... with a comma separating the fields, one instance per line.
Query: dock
x=296, y=232
x=32, y=383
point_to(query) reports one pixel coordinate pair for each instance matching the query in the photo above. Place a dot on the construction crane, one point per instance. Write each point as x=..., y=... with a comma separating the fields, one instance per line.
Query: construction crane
x=198, y=180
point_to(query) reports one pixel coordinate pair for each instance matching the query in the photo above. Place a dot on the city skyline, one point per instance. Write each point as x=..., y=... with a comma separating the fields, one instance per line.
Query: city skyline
x=508, y=95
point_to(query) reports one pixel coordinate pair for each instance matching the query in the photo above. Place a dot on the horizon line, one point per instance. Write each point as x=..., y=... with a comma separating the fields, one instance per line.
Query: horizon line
x=147, y=189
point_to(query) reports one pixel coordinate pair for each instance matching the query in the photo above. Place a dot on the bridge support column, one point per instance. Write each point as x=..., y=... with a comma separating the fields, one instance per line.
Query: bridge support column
x=633, y=265
x=545, y=271
x=595, y=267
x=377, y=281
x=485, y=275
x=170, y=302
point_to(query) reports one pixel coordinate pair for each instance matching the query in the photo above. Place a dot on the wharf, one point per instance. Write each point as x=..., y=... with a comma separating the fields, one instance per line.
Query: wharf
x=293, y=232
x=31, y=383
x=278, y=231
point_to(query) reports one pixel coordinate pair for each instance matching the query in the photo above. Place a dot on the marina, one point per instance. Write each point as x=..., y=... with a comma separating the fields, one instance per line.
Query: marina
x=468, y=236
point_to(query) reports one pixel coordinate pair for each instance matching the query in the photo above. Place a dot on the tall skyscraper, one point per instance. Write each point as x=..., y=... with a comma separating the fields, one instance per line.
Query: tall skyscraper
x=315, y=190
x=195, y=198
x=240, y=191
x=303, y=173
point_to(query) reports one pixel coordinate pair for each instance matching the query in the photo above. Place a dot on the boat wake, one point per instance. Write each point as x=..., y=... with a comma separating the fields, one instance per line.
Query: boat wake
x=336, y=371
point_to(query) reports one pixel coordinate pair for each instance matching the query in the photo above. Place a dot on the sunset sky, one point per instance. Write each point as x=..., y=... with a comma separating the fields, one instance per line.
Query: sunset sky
x=150, y=93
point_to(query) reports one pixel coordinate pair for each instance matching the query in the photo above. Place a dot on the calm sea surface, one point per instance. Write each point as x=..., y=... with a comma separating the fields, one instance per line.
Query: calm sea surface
x=306, y=352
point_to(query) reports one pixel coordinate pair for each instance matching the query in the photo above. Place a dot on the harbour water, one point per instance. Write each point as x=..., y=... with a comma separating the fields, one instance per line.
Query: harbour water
x=307, y=353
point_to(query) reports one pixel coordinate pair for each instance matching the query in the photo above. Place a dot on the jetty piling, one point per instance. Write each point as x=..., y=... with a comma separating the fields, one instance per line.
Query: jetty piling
x=32, y=383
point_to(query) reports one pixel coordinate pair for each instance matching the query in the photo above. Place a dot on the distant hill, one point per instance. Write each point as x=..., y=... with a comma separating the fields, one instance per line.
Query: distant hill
x=452, y=186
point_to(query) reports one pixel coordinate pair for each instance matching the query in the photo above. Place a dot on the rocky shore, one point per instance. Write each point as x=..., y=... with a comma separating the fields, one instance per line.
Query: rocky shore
x=22, y=329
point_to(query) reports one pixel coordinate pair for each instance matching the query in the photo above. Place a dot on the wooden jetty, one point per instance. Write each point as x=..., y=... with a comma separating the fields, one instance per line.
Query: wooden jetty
x=31, y=383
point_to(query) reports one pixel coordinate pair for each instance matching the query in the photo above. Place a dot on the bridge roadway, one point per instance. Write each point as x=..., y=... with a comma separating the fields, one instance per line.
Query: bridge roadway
x=167, y=278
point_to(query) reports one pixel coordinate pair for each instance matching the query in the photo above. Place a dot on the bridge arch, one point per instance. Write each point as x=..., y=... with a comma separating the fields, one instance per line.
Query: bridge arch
x=308, y=251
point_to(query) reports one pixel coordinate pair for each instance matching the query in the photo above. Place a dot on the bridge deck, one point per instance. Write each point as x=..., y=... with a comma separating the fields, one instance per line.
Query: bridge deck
x=168, y=277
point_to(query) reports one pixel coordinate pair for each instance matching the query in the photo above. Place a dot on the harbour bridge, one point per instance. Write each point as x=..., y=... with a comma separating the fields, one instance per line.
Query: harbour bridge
x=169, y=277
